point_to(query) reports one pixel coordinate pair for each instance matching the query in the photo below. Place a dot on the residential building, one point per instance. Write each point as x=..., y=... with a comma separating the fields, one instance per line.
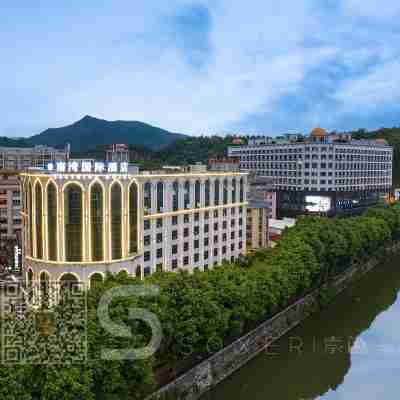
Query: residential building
x=22, y=158
x=322, y=173
x=79, y=225
x=117, y=152
x=257, y=228
x=10, y=205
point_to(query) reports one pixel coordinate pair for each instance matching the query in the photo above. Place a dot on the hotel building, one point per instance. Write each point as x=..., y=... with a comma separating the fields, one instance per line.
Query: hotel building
x=322, y=173
x=81, y=221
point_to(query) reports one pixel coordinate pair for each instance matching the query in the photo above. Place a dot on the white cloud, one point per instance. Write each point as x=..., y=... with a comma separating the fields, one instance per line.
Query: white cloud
x=379, y=87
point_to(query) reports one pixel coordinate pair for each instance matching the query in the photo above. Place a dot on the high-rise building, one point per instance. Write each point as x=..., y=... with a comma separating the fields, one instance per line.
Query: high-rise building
x=322, y=173
x=83, y=221
x=10, y=205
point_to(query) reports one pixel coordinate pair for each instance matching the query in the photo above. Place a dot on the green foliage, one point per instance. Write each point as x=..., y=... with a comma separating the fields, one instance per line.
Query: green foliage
x=202, y=312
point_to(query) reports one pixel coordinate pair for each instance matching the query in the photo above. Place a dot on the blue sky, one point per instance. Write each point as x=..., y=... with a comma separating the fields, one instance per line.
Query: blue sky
x=201, y=66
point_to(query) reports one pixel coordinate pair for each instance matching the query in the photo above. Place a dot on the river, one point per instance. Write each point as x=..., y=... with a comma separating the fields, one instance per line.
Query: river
x=349, y=351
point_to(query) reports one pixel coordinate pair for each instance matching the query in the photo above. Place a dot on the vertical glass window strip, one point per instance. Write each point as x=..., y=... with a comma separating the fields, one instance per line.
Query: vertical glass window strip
x=197, y=202
x=186, y=195
x=116, y=222
x=39, y=224
x=175, y=196
x=225, y=191
x=133, y=217
x=96, y=223
x=52, y=221
x=216, y=192
x=207, y=193
x=73, y=223
x=233, y=190
x=147, y=197
x=160, y=197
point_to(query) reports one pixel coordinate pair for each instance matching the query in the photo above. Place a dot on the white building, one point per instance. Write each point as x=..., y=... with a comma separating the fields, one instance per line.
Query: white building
x=79, y=225
x=347, y=173
x=21, y=158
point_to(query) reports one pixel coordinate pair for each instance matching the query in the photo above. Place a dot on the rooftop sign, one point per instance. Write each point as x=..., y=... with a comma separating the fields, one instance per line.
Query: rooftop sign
x=87, y=166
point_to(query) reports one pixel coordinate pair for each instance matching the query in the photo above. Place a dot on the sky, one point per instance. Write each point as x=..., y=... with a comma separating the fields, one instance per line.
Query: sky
x=200, y=67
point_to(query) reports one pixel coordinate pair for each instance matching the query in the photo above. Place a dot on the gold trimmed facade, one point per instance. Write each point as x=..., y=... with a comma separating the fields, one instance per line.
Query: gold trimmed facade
x=92, y=223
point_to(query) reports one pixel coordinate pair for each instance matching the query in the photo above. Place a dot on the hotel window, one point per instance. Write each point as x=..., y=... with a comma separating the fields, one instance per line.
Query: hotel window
x=147, y=198
x=225, y=191
x=175, y=196
x=174, y=234
x=160, y=197
x=73, y=223
x=96, y=221
x=146, y=224
x=146, y=256
x=241, y=190
x=159, y=253
x=133, y=218
x=207, y=193
x=174, y=249
x=185, y=260
x=186, y=195
x=159, y=223
x=174, y=264
x=197, y=195
x=52, y=220
x=147, y=240
x=186, y=246
x=159, y=238
x=175, y=220
x=39, y=224
x=233, y=190
x=116, y=221
x=216, y=192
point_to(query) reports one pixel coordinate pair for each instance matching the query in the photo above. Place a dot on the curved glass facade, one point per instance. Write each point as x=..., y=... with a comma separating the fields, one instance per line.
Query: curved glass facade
x=52, y=221
x=39, y=221
x=116, y=221
x=133, y=218
x=73, y=222
x=96, y=222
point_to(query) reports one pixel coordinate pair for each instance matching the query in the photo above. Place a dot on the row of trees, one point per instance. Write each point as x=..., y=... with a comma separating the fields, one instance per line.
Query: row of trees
x=199, y=313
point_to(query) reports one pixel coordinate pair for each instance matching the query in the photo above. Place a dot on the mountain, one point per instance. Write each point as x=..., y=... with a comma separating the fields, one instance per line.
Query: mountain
x=89, y=133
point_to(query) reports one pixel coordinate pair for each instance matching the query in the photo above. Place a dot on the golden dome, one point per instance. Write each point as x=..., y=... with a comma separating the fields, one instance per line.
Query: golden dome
x=319, y=132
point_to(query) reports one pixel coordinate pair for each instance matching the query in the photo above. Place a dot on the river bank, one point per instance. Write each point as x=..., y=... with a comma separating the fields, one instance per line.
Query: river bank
x=209, y=373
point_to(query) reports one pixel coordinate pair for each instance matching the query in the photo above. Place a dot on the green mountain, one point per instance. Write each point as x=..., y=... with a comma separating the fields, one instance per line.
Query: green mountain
x=89, y=132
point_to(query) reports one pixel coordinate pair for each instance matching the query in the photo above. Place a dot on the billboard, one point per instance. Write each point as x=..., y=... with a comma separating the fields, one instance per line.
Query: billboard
x=318, y=204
